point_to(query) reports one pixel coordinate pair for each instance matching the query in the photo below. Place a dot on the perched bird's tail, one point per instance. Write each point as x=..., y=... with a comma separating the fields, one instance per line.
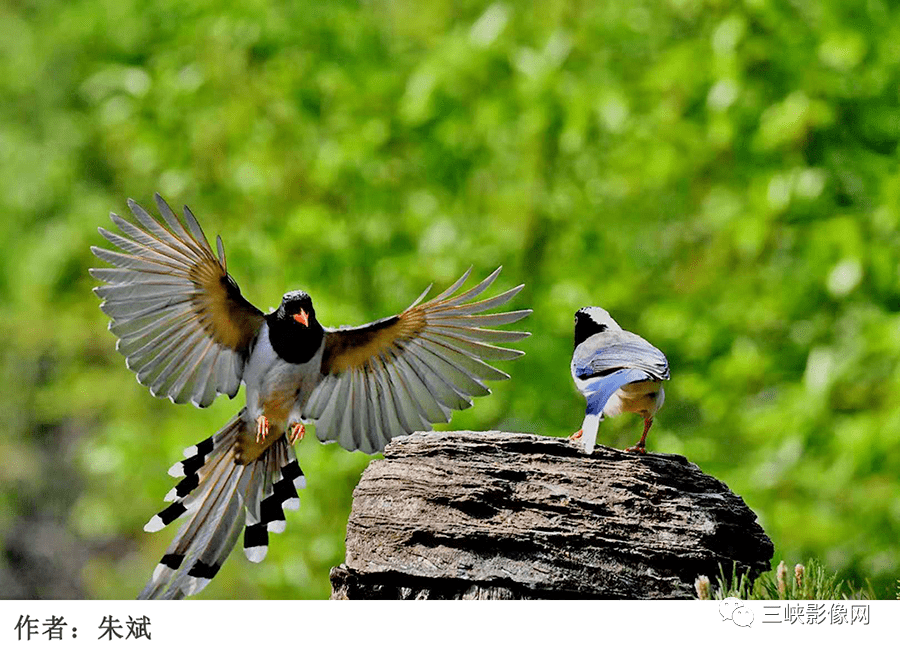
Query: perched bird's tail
x=219, y=497
x=598, y=391
x=589, y=427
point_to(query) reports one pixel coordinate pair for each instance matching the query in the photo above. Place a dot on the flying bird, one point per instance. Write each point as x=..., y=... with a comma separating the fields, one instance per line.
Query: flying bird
x=617, y=372
x=186, y=330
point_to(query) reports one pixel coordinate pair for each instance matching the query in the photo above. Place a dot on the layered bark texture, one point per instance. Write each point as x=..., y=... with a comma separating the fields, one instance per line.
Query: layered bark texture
x=495, y=515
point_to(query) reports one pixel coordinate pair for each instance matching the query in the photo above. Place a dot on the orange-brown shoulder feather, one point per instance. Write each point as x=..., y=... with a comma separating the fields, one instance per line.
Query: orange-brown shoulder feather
x=224, y=314
x=357, y=347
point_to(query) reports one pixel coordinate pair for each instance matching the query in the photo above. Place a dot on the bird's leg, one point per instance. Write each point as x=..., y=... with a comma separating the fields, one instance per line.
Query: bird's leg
x=262, y=429
x=298, y=431
x=576, y=435
x=639, y=447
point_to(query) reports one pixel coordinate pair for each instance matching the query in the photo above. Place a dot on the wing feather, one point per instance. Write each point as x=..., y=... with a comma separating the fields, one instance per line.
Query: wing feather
x=406, y=414
x=414, y=394
x=461, y=380
x=487, y=320
x=441, y=389
x=447, y=293
x=390, y=419
x=181, y=321
x=404, y=373
x=597, y=357
x=476, y=307
x=474, y=348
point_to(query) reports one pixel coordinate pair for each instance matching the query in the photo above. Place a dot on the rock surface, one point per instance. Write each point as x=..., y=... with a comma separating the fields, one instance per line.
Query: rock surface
x=495, y=515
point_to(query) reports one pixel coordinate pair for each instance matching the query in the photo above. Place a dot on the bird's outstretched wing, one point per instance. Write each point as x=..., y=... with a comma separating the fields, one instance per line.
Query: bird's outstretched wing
x=181, y=320
x=598, y=357
x=401, y=374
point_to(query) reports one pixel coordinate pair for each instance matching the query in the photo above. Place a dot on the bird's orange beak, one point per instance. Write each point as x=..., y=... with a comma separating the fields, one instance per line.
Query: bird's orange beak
x=302, y=318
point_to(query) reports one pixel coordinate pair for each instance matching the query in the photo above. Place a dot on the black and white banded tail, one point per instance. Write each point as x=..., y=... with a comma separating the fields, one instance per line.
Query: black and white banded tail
x=218, y=499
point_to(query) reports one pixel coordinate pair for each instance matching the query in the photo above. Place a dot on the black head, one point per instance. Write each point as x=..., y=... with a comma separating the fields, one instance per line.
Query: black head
x=590, y=321
x=293, y=329
x=298, y=306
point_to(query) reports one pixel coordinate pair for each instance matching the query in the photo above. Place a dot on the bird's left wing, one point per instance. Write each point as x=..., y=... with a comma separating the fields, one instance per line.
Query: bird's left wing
x=401, y=374
x=181, y=320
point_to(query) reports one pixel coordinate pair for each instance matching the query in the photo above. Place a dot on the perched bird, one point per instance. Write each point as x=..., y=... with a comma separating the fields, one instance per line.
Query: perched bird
x=617, y=372
x=189, y=334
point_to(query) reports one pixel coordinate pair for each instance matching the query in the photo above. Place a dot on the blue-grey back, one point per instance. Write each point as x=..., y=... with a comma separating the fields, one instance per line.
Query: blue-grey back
x=618, y=349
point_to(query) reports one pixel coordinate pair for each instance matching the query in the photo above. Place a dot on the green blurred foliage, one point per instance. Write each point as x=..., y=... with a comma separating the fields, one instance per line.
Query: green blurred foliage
x=721, y=176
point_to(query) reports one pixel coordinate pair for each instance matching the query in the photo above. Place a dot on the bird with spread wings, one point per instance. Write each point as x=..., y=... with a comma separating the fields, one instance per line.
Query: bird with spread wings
x=189, y=335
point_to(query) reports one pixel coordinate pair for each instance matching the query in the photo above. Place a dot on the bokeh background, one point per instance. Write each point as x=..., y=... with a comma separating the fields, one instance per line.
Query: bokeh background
x=721, y=176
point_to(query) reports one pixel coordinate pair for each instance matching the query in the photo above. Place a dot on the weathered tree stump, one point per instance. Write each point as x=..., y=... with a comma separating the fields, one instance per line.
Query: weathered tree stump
x=454, y=515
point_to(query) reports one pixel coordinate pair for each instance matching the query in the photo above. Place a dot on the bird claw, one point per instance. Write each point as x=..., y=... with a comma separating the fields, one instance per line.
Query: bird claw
x=298, y=431
x=639, y=448
x=577, y=435
x=262, y=429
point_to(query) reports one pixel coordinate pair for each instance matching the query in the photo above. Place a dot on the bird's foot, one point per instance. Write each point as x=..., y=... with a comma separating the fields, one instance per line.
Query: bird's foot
x=639, y=447
x=576, y=436
x=298, y=431
x=262, y=429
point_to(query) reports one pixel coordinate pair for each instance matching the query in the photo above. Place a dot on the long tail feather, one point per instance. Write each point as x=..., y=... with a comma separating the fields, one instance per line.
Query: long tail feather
x=589, y=427
x=218, y=498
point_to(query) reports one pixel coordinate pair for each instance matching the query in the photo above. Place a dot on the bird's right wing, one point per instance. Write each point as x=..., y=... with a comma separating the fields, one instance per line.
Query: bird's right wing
x=401, y=374
x=181, y=320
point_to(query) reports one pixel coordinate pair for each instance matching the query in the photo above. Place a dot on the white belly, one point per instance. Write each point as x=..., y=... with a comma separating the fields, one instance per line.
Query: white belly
x=275, y=388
